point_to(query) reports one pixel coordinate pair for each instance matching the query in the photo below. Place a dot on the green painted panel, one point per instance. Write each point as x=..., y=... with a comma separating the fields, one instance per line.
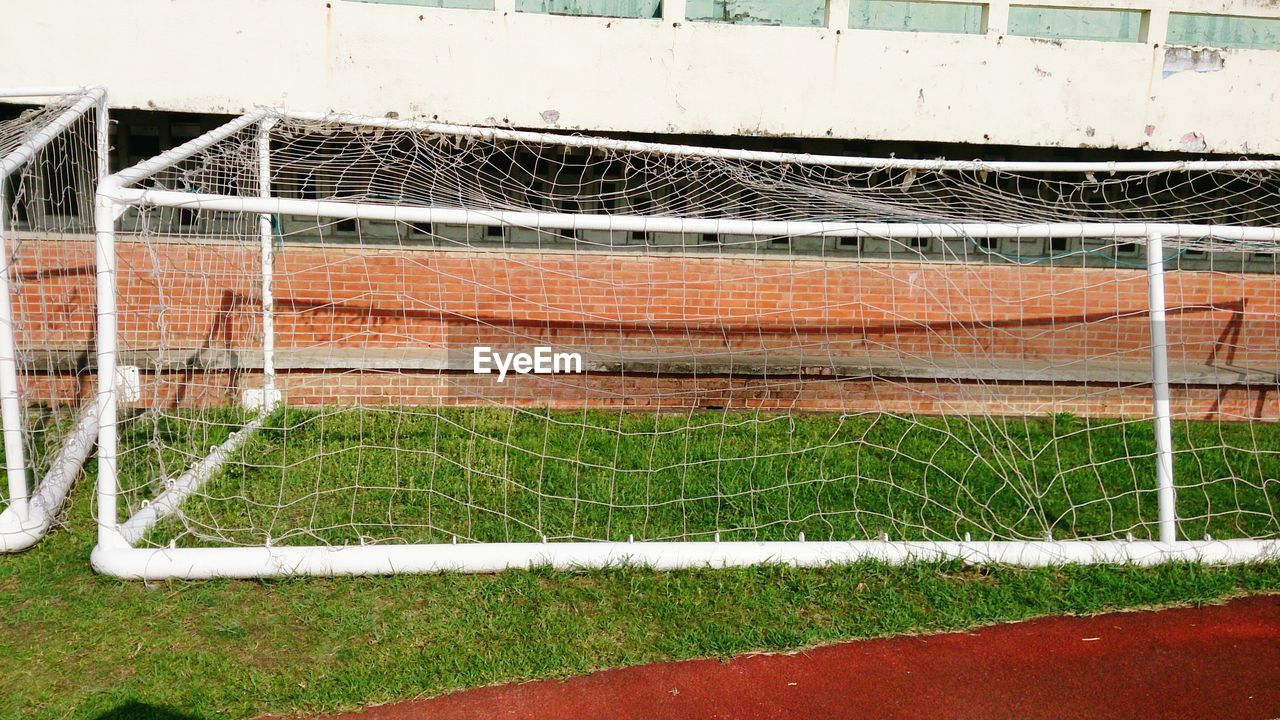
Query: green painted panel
x=1076, y=23
x=597, y=8
x=460, y=4
x=1224, y=31
x=912, y=16
x=796, y=13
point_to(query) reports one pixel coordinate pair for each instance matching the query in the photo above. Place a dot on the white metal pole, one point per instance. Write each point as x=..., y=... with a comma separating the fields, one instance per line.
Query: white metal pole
x=105, y=220
x=690, y=225
x=268, y=266
x=24, y=152
x=47, y=91
x=169, y=158
x=102, y=132
x=1160, y=389
x=251, y=562
x=51, y=493
x=10, y=406
x=187, y=484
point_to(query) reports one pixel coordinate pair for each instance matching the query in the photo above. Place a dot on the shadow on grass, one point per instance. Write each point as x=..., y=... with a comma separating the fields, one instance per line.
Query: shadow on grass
x=143, y=711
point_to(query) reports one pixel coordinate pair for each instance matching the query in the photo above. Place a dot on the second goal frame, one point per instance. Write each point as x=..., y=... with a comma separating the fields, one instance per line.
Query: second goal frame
x=118, y=552
x=33, y=506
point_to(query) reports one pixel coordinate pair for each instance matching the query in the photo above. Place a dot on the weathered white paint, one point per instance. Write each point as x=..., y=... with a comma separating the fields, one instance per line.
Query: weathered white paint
x=582, y=73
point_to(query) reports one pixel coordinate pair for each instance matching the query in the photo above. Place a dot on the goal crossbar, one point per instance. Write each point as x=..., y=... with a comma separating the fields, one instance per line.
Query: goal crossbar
x=693, y=226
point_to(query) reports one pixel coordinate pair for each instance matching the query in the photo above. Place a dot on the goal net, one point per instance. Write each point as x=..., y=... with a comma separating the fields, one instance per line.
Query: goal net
x=363, y=345
x=52, y=153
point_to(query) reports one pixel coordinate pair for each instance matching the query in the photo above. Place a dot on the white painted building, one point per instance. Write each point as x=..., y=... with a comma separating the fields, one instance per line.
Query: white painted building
x=1179, y=75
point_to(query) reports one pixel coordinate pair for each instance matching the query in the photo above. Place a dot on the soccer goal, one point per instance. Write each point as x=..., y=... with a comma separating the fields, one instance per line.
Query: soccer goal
x=337, y=345
x=53, y=150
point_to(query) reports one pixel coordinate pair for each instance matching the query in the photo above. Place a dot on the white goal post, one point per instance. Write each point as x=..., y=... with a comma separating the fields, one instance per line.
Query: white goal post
x=51, y=159
x=918, y=359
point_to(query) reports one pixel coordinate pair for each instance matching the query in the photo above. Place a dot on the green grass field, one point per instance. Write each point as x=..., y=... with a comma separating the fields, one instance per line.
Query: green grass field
x=347, y=476
x=77, y=645
x=82, y=646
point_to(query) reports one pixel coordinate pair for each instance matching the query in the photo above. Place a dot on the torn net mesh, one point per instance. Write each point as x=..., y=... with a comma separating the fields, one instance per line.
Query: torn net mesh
x=740, y=387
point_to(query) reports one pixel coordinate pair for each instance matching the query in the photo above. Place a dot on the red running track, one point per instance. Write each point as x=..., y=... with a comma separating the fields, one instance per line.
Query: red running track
x=1220, y=662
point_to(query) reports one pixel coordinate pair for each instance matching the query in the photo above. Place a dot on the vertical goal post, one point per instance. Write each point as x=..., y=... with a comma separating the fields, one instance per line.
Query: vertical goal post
x=51, y=159
x=238, y=172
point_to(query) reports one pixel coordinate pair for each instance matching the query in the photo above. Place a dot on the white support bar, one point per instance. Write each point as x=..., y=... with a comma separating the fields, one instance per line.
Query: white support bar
x=75, y=450
x=49, y=91
x=15, y=461
x=1160, y=389
x=578, y=141
x=268, y=265
x=634, y=223
x=190, y=482
x=102, y=131
x=243, y=562
x=16, y=535
x=23, y=154
x=105, y=250
x=161, y=162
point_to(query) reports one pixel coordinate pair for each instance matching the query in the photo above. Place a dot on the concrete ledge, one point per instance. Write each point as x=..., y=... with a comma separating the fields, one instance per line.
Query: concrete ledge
x=741, y=364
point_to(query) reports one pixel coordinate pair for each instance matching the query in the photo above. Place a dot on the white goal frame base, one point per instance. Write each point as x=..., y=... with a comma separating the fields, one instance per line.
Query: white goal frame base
x=121, y=560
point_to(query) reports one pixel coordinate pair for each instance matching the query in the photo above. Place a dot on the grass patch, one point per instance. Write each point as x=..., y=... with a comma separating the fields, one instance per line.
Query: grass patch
x=349, y=476
x=83, y=646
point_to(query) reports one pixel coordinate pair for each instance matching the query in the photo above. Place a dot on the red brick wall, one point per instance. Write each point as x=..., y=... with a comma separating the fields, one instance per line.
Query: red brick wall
x=898, y=316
